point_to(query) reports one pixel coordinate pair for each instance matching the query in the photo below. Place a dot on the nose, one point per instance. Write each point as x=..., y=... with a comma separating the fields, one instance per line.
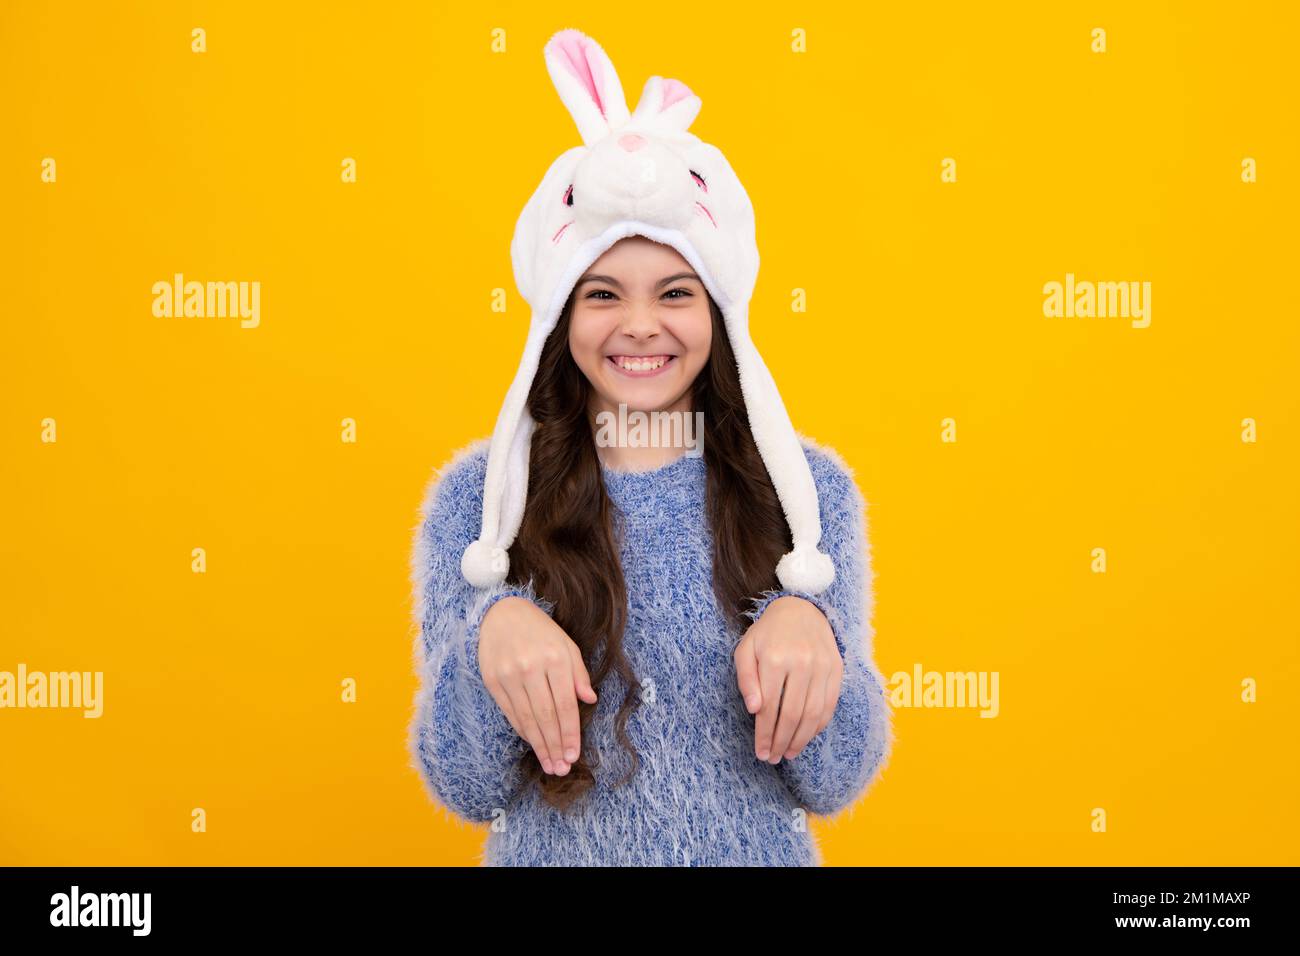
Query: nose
x=631, y=141
x=640, y=324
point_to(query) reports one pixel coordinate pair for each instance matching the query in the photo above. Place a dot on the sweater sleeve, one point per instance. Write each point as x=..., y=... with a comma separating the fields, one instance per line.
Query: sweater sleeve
x=839, y=764
x=461, y=742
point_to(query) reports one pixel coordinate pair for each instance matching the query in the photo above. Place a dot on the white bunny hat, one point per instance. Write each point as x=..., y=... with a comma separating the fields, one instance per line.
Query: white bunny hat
x=641, y=173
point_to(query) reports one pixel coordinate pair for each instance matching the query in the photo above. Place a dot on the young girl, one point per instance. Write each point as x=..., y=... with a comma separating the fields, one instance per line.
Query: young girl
x=632, y=651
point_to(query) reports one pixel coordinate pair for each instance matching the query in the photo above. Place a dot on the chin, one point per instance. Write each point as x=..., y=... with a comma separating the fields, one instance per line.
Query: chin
x=650, y=396
x=642, y=403
x=660, y=395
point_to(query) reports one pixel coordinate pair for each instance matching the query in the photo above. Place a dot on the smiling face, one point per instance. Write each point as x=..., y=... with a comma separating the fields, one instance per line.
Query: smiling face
x=641, y=328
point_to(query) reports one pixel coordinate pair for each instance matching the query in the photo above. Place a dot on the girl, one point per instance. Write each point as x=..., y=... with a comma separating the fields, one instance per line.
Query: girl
x=633, y=651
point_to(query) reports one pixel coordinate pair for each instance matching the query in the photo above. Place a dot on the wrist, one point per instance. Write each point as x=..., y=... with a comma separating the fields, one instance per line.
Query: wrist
x=506, y=609
x=788, y=606
x=787, y=603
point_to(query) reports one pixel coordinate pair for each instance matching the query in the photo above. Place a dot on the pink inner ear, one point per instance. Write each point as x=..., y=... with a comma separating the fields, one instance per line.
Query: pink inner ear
x=578, y=54
x=674, y=90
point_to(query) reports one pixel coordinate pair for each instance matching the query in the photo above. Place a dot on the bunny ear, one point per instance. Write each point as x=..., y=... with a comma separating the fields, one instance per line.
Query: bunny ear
x=587, y=83
x=667, y=104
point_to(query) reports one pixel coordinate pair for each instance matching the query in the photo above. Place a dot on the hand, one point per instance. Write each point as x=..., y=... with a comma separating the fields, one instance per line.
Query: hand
x=534, y=672
x=790, y=647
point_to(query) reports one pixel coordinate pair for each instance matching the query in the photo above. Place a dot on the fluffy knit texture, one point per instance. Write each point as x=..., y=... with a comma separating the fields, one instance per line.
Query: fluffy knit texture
x=700, y=796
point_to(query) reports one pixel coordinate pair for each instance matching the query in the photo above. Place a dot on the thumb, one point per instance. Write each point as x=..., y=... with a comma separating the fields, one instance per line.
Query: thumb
x=581, y=679
x=747, y=676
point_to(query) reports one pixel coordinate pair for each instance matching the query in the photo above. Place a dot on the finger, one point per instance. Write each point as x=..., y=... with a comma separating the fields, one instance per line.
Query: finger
x=747, y=675
x=543, y=704
x=792, y=708
x=503, y=701
x=771, y=678
x=560, y=677
x=530, y=731
x=814, y=708
x=582, y=679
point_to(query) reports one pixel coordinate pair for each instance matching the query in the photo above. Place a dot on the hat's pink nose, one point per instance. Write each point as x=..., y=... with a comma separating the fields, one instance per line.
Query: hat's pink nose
x=631, y=142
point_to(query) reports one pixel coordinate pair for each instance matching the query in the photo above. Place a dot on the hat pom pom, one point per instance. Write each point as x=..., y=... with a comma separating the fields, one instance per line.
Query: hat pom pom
x=484, y=565
x=806, y=569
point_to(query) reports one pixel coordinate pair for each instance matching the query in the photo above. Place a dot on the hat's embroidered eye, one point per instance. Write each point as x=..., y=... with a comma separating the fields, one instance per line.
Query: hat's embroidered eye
x=568, y=195
x=700, y=180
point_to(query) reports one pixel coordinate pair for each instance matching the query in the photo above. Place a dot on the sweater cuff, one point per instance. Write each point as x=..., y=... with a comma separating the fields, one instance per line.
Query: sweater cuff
x=762, y=603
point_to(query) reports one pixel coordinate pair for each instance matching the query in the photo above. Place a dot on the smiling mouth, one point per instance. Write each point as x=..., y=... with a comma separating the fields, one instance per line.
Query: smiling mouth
x=641, y=366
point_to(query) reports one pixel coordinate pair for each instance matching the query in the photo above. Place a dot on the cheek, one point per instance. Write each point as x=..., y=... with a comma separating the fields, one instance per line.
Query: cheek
x=695, y=332
x=587, y=335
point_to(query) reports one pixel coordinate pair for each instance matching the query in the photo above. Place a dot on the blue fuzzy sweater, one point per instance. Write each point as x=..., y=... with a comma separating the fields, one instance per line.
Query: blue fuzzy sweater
x=700, y=796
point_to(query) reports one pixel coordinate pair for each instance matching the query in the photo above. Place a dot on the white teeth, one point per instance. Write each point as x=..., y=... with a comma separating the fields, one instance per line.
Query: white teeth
x=639, y=364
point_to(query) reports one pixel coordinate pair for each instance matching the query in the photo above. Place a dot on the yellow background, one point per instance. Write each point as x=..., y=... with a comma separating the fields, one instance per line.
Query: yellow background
x=222, y=690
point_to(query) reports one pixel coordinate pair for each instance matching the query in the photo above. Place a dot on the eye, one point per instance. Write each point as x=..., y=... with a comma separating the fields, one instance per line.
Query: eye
x=568, y=195
x=699, y=181
x=686, y=293
x=599, y=293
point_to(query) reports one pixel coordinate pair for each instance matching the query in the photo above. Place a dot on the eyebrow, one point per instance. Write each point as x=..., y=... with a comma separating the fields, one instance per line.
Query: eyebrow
x=658, y=285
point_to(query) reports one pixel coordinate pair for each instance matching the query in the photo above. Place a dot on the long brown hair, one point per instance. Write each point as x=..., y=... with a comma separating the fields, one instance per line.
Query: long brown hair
x=568, y=541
